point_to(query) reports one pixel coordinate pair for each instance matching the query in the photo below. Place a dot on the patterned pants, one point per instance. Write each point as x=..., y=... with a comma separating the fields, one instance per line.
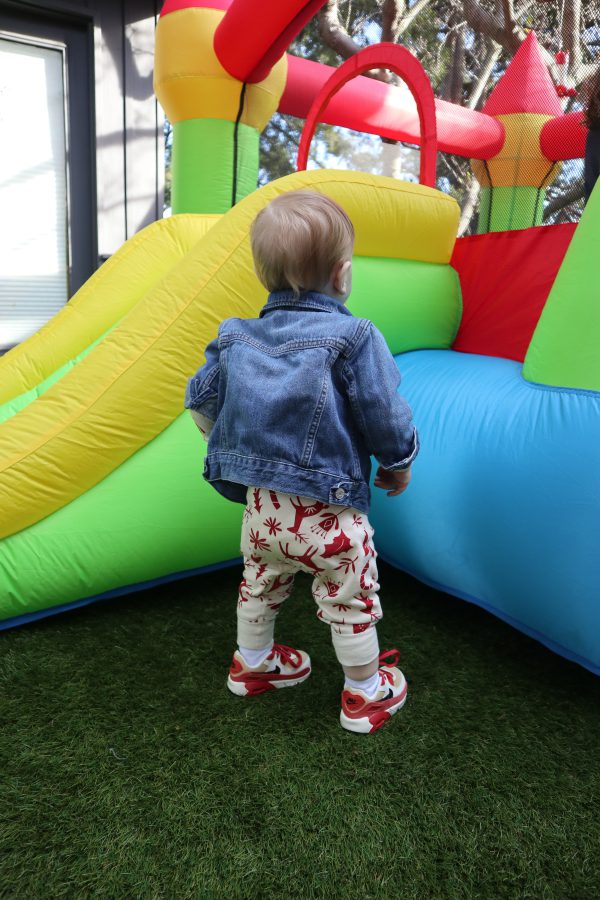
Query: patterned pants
x=282, y=535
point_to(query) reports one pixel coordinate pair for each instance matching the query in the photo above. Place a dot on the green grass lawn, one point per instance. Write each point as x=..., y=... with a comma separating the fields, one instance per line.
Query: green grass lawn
x=129, y=771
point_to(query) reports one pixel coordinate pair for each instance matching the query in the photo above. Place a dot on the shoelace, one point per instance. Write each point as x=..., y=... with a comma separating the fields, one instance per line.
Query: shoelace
x=286, y=655
x=388, y=658
x=394, y=658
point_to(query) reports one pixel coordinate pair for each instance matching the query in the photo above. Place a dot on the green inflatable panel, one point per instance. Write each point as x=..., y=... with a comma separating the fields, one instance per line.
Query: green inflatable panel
x=510, y=208
x=202, y=165
x=565, y=347
x=415, y=305
x=11, y=407
x=151, y=517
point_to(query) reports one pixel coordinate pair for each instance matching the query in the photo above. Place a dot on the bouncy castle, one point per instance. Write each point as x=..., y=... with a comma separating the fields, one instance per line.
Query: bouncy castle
x=496, y=336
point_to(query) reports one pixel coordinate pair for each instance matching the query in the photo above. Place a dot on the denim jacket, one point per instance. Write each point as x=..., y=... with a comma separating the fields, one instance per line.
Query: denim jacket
x=300, y=399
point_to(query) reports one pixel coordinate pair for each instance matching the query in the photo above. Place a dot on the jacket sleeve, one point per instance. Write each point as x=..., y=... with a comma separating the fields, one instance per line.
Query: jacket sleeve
x=202, y=390
x=383, y=417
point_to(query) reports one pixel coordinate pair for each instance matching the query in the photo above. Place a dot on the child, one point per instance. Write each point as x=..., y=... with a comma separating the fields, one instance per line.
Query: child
x=294, y=404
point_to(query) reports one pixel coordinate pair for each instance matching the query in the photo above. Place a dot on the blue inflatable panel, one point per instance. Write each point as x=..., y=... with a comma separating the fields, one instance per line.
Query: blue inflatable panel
x=504, y=505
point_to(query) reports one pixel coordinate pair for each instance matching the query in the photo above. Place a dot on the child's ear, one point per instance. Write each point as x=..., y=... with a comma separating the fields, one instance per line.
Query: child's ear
x=341, y=276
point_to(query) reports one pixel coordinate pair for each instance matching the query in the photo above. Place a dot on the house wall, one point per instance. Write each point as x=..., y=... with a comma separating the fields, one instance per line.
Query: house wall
x=128, y=119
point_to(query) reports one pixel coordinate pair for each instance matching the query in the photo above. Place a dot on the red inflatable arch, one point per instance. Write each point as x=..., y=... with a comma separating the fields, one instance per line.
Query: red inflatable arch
x=406, y=66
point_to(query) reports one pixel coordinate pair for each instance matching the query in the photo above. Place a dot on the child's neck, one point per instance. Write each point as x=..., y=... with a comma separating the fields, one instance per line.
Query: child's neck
x=330, y=291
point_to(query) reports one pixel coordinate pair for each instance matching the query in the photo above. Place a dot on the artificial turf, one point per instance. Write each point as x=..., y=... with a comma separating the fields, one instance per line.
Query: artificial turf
x=129, y=771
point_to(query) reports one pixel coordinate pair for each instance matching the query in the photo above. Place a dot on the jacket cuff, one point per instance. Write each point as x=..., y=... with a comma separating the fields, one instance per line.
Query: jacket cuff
x=407, y=461
x=199, y=390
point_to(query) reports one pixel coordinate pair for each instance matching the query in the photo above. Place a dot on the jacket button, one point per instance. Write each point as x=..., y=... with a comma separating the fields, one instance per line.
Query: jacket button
x=340, y=494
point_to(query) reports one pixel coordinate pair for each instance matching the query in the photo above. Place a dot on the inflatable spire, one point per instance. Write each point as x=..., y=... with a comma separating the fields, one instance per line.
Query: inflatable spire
x=526, y=86
x=564, y=348
x=514, y=181
x=216, y=117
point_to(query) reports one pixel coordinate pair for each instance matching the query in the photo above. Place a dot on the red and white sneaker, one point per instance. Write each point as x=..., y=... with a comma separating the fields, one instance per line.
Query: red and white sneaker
x=283, y=667
x=366, y=714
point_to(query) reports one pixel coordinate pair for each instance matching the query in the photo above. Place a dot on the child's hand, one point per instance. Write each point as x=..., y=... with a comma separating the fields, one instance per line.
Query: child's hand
x=393, y=482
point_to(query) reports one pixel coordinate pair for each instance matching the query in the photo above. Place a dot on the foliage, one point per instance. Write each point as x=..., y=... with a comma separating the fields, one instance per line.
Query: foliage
x=465, y=46
x=168, y=136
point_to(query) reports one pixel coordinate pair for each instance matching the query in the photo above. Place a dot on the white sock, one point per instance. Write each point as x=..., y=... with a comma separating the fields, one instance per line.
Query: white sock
x=369, y=686
x=254, y=658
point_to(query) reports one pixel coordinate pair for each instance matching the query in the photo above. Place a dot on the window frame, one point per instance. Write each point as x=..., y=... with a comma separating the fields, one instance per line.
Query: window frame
x=32, y=24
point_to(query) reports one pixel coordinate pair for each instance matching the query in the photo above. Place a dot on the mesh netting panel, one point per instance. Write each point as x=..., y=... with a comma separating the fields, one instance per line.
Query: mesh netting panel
x=465, y=47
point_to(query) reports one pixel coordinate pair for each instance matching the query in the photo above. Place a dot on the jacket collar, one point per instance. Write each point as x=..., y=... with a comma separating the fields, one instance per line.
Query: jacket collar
x=312, y=300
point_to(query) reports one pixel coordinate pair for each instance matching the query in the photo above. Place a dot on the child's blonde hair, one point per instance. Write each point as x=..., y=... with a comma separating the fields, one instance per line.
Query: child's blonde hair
x=297, y=240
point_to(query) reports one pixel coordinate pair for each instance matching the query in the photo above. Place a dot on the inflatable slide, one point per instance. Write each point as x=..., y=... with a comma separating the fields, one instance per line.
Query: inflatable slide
x=496, y=336
x=100, y=486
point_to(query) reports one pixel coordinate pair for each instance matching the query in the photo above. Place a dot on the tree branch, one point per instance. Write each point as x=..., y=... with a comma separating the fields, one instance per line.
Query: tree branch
x=508, y=12
x=484, y=76
x=453, y=86
x=333, y=32
x=337, y=38
x=571, y=35
x=410, y=15
x=508, y=34
x=468, y=208
x=391, y=14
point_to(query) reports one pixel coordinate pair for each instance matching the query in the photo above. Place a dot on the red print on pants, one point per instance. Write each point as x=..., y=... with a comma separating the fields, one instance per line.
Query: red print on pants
x=343, y=607
x=328, y=522
x=305, y=559
x=241, y=597
x=304, y=512
x=347, y=563
x=340, y=544
x=255, y=562
x=272, y=524
x=368, y=604
x=332, y=588
x=258, y=542
x=363, y=584
x=279, y=582
x=260, y=570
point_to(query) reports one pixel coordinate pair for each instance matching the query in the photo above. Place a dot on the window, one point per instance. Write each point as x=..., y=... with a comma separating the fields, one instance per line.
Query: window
x=48, y=216
x=33, y=187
